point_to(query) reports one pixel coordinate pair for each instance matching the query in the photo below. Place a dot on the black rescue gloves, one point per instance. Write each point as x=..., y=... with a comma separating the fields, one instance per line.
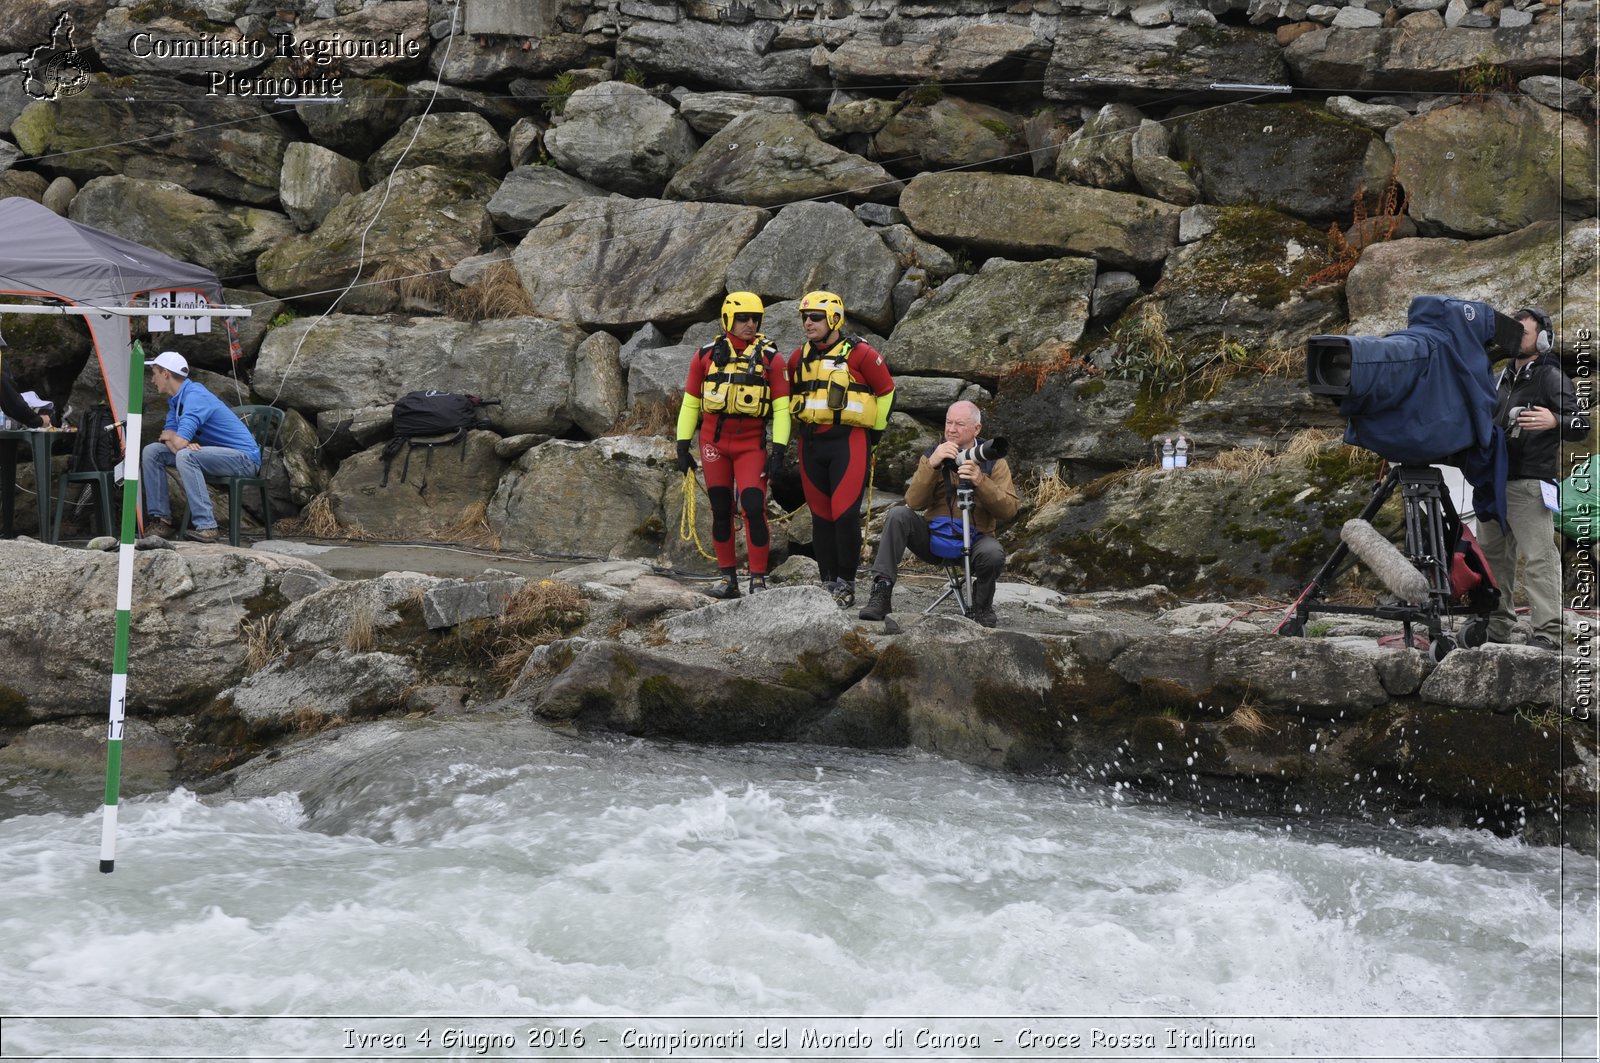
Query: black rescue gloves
x=774, y=461
x=874, y=437
x=685, y=462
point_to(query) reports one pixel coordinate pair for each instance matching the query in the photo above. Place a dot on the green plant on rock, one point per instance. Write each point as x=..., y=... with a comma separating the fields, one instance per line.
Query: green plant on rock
x=559, y=92
x=634, y=76
x=927, y=94
x=1145, y=353
x=282, y=318
x=1485, y=77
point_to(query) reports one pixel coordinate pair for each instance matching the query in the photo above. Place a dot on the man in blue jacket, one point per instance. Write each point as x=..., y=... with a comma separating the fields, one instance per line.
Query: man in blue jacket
x=202, y=437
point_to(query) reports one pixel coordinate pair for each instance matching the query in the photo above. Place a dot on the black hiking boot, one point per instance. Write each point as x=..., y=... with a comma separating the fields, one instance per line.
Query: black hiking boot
x=983, y=603
x=728, y=589
x=844, y=592
x=881, y=602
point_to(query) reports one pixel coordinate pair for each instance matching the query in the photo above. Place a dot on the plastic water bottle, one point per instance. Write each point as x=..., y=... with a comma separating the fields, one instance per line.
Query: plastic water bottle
x=1168, y=461
x=1180, y=454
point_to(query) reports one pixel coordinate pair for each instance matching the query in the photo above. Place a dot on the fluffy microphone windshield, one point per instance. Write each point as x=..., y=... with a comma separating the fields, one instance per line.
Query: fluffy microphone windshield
x=1385, y=561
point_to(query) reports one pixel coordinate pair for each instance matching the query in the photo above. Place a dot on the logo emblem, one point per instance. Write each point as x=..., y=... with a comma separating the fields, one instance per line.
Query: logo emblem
x=56, y=70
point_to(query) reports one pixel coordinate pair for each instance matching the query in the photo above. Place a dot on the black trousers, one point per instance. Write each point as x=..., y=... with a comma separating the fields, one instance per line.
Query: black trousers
x=906, y=530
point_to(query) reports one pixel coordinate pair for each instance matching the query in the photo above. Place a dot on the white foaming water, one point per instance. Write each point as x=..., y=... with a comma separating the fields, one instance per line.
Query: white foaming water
x=479, y=870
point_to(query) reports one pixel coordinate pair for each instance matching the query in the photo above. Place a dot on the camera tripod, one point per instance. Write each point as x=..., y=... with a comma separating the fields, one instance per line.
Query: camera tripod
x=960, y=580
x=1432, y=528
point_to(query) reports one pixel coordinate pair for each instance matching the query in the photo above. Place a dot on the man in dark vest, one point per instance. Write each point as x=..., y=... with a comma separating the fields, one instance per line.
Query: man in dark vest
x=1537, y=408
x=932, y=496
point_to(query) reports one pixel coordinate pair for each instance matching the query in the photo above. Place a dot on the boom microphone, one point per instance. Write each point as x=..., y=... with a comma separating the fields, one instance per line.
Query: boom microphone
x=1385, y=561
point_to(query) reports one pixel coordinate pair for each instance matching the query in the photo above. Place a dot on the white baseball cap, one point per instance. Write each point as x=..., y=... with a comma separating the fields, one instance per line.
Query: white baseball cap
x=172, y=362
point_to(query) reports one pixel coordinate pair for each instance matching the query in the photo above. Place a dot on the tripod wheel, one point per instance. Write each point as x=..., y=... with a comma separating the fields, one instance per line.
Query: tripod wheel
x=1292, y=628
x=1475, y=633
x=1441, y=646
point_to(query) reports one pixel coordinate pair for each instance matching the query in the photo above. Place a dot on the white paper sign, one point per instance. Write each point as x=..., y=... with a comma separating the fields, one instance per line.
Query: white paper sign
x=183, y=325
x=160, y=301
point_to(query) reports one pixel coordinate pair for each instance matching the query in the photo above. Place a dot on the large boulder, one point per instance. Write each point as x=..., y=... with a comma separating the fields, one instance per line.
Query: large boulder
x=175, y=221
x=1404, y=60
x=165, y=32
x=1246, y=281
x=372, y=110
x=621, y=263
x=718, y=53
x=601, y=499
x=190, y=608
x=501, y=57
x=946, y=133
x=1291, y=157
x=426, y=492
x=1100, y=154
x=331, y=684
x=161, y=129
x=453, y=139
x=598, y=393
x=992, y=322
x=1498, y=678
x=426, y=219
x=708, y=112
x=1489, y=167
x=1097, y=56
x=1548, y=264
x=793, y=635
x=1252, y=528
x=397, y=28
x=943, y=50
x=1154, y=169
x=952, y=688
x=345, y=361
x=820, y=245
x=620, y=137
x=314, y=181
x=1006, y=214
x=530, y=194
x=644, y=692
x=766, y=159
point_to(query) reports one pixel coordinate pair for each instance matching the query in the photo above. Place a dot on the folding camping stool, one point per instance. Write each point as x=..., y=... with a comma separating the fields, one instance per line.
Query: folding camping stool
x=955, y=584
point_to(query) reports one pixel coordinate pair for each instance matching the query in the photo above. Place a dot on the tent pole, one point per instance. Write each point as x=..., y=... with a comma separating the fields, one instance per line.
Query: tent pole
x=119, y=663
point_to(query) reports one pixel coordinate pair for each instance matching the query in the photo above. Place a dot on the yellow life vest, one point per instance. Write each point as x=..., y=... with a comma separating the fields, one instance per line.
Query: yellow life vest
x=825, y=393
x=736, y=381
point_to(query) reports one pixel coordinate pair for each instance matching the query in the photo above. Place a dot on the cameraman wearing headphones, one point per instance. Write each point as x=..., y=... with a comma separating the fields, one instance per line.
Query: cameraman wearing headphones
x=1537, y=408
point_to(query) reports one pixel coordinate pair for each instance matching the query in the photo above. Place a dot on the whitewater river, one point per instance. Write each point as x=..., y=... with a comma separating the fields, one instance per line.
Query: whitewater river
x=488, y=890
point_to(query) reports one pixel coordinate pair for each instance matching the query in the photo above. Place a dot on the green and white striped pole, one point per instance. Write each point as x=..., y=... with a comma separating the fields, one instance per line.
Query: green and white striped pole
x=119, y=663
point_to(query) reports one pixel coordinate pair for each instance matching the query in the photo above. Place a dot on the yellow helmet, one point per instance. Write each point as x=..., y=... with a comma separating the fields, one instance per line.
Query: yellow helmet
x=740, y=303
x=828, y=303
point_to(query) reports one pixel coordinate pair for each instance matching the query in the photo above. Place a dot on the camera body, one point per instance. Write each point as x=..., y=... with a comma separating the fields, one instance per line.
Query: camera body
x=1421, y=394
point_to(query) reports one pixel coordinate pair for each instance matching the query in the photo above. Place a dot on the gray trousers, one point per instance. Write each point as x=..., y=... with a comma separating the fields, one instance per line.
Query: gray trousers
x=906, y=530
x=1532, y=537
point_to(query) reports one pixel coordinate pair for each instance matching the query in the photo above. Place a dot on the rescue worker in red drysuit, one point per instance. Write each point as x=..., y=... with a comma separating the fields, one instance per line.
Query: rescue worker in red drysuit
x=736, y=385
x=841, y=393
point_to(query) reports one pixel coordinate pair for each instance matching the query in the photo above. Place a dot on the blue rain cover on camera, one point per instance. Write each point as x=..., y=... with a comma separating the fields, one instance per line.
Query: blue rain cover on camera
x=1425, y=395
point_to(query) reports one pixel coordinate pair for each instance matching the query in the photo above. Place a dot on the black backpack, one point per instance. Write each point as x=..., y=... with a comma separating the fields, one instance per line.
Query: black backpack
x=98, y=447
x=431, y=419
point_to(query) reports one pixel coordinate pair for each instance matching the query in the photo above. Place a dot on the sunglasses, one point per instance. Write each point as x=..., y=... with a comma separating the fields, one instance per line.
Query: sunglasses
x=739, y=319
x=812, y=315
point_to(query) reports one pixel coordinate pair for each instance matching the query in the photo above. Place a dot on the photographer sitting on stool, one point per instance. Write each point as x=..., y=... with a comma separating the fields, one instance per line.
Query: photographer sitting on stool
x=932, y=495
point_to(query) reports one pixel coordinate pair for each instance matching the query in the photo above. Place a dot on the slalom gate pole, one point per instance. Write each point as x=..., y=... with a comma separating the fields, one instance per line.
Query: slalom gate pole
x=119, y=663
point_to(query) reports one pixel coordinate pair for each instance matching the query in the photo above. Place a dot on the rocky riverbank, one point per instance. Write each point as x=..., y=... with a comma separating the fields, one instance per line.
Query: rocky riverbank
x=240, y=654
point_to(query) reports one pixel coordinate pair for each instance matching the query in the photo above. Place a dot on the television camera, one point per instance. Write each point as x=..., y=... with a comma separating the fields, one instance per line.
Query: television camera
x=1418, y=397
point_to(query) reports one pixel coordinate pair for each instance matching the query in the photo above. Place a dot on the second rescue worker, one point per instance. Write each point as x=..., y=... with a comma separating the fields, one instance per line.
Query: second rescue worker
x=841, y=393
x=735, y=384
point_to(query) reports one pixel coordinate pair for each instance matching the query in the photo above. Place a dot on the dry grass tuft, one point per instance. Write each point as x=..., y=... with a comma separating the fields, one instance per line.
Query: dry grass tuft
x=537, y=615
x=317, y=521
x=1248, y=462
x=308, y=719
x=472, y=528
x=361, y=636
x=1306, y=445
x=262, y=644
x=650, y=417
x=1048, y=487
x=496, y=294
x=416, y=284
x=1249, y=720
